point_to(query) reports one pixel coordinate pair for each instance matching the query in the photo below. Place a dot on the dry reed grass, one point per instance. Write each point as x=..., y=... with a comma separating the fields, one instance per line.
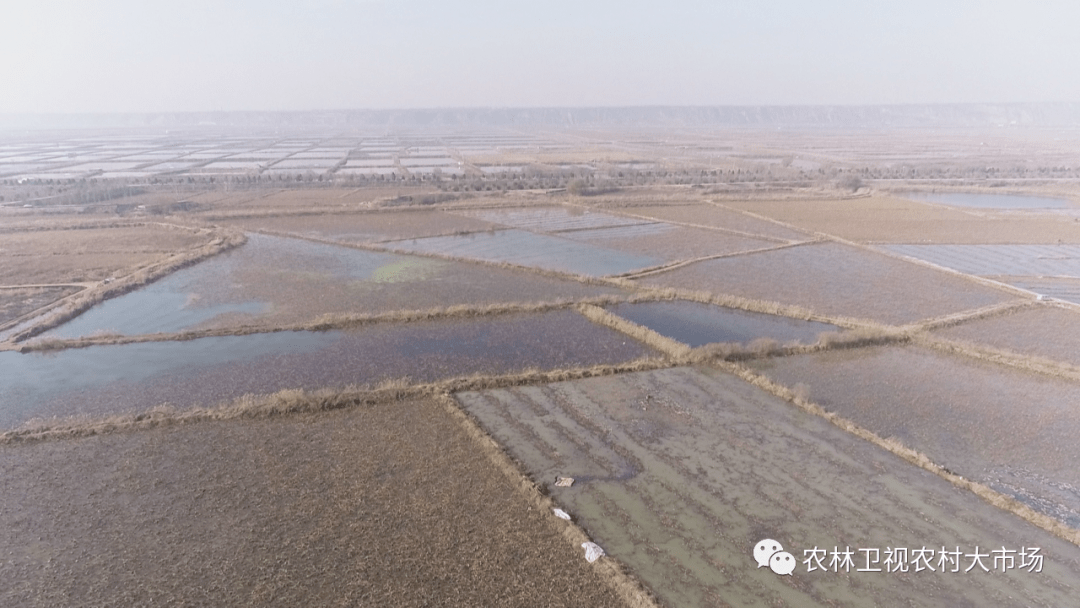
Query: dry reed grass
x=672, y=348
x=986, y=312
x=1029, y=363
x=660, y=268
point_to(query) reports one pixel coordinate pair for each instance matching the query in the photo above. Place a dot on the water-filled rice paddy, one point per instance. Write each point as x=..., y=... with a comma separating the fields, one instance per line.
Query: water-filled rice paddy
x=835, y=279
x=990, y=201
x=698, y=324
x=273, y=280
x=388, y=505
x=101, y=380
x=969, y=416
x=680, y=472
x=535, y=250
x=1043, y=331
x=1031, y=260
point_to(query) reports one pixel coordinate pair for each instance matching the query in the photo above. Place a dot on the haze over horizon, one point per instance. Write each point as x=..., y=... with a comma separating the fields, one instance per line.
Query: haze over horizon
x=64, y=56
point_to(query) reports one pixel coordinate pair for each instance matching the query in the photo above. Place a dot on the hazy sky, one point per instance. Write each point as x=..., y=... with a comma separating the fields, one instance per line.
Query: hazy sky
x=150, y=56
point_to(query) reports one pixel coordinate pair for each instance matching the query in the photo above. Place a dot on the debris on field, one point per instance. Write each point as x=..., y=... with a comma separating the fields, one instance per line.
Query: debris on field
x=593, y=552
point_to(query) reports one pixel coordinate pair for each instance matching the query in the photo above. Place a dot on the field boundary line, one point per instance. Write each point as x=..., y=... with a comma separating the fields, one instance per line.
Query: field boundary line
x=998, y=285
x=994, y=498
x=637, y=274
x=632, y=591
x=764, y=218
x=731, y=231
x=668, y=346
x=964, y=316
x=1029, y=363
x=296, y=401
x=327, y=322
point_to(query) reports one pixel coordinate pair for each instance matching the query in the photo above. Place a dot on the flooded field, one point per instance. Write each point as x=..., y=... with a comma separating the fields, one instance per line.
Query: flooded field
x=972, y=417
x=989, y=260
x=390, y=505
x=679, y=473
x=835, y=279
x=274, y=280
x=990, y=201
x=535, y=250
x=671, y=242
x=717, y=217
x=131, y=377
x=1045, y=331
x=698, y=324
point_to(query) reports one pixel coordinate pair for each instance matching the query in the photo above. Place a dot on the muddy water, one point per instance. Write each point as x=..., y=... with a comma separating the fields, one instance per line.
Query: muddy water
x=681, y=472
x=990, y=201
x=123, y=378
x=535, y=250
x=699, y=324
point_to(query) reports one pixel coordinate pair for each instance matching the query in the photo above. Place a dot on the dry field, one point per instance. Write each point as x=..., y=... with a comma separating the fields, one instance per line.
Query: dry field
x=833, y=279
x=1044, y=331
x=983, y=421
x=386, y=505
x=20, y=301
x=890, y=219
x=41, y=257
x=680, y=472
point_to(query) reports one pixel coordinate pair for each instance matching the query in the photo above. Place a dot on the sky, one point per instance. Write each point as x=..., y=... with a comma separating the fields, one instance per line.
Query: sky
x=75, y=56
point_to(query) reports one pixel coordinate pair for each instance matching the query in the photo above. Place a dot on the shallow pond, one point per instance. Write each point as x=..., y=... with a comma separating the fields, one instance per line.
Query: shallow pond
x=698, y=324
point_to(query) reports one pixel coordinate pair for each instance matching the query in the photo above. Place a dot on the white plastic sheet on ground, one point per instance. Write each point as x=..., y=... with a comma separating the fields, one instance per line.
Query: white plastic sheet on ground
x=564, y=482
x=561, y=514
x=593, y=552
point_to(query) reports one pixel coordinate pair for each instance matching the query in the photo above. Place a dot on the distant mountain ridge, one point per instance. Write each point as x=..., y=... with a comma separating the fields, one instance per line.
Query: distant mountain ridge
x=869, y=116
